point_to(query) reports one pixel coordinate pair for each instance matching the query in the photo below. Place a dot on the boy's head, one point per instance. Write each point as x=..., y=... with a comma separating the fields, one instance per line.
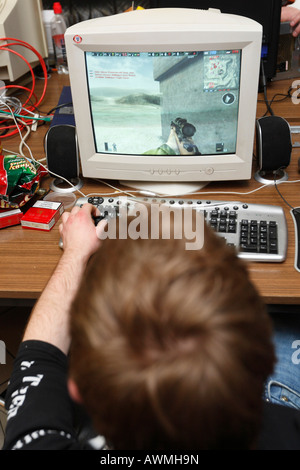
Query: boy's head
x=171, y=347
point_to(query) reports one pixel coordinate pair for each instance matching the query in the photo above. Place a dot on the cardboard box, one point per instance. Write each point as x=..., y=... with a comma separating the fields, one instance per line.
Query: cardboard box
x=10, y=217
x=43, y=215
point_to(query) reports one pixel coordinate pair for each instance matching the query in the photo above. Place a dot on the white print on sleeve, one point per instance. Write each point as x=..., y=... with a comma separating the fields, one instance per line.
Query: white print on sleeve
x=26, y=364
x=35, y=435
x=19, y=396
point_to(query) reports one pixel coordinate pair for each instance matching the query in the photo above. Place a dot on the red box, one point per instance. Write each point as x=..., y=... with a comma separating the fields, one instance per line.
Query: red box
x=10, y=217
x=43, y=215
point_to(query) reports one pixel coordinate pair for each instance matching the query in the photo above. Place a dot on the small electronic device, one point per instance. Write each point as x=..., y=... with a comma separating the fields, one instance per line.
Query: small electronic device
x=165, y=99
x=61, y=146
x=273, y=147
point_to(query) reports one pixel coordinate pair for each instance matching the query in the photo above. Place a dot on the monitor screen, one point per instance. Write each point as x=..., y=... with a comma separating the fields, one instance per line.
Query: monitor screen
x=140, y=103
x=165, y=96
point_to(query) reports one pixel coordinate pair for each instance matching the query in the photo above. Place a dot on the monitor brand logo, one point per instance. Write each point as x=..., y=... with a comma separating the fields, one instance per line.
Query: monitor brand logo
x=77, y=39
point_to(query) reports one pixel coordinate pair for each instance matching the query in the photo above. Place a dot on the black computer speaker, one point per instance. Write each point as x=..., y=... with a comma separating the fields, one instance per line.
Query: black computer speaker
x=273, y=143
x=62, y=155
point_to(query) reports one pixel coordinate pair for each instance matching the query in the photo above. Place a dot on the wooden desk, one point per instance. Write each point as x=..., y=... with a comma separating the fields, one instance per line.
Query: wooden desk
x=28, y=257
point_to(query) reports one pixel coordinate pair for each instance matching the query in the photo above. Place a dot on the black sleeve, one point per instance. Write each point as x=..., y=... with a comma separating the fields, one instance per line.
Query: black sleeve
x=40, y=411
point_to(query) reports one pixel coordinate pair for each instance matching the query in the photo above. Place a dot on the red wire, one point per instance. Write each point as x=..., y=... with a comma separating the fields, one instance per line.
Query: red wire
x=18, y=42
x=41, y=60
x=4, y=48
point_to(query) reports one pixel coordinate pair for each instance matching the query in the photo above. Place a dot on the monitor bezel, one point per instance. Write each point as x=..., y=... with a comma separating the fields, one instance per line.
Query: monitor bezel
x=144, y=34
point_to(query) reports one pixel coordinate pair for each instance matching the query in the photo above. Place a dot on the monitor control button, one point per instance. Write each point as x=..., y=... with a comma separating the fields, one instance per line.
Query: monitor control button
x=209, y=170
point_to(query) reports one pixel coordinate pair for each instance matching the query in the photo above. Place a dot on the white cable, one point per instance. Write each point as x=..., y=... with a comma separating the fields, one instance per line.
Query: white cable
x=16, y=120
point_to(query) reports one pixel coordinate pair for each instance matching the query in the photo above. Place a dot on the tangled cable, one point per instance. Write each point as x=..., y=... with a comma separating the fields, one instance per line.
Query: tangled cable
x=27, y=110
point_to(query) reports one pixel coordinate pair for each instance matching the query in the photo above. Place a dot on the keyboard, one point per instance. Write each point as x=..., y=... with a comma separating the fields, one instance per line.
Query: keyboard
x=296, y=218
x=257, y=231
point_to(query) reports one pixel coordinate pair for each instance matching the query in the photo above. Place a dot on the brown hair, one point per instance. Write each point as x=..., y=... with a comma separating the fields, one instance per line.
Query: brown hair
x=170, y=346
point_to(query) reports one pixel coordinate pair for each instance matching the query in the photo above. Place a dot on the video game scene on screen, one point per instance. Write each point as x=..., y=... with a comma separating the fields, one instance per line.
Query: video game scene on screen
x=164, y=103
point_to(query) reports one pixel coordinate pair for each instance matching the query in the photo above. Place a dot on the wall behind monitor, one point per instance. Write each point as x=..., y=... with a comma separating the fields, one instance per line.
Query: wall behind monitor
x=265, y=12
x=80, y=10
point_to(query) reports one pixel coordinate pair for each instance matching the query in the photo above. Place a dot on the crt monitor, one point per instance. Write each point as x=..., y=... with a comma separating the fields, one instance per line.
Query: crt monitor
x=22, y=20
x=165, y=99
